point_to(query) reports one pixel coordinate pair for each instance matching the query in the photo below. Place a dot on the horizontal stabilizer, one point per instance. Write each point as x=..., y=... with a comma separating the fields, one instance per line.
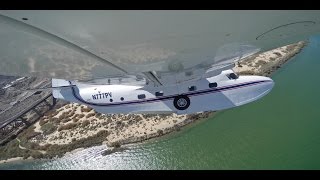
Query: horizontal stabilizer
x=60, y=83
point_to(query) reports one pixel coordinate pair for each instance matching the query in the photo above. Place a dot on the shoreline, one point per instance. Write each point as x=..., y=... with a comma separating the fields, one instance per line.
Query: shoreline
x=14, y=159
x=73, y=127
x=11, y=160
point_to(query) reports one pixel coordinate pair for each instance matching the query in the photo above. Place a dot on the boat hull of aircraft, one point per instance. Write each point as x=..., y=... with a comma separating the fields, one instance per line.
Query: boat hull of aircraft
x=208, y=94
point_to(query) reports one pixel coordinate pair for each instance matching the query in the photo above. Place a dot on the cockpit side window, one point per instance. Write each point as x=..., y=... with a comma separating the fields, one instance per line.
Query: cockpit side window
x=232, y=76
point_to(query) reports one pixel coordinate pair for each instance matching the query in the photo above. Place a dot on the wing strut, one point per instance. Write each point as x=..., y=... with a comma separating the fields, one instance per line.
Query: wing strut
x=152, y=76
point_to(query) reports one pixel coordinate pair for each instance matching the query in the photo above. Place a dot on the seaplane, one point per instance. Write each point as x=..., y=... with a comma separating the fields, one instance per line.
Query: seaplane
x=148, y=62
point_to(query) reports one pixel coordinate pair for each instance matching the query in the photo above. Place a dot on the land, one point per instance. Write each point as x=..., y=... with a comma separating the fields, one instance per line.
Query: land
x=70, y=126
x=264, y=64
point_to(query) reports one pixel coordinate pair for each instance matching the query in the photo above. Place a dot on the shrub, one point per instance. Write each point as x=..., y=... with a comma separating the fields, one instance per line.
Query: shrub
x=103, y=133
x=290, y=47
x=75, y=119
x=48, y=128
x=44, y=147
x=67, y=126
x=49, y=113
x=115, y=144
x=278, y=54
x=104, y=123
x=90, y=115
x=260, y=62
x=55, y=113
x=66, y=120
x=55, y=120
x=176, y=127
x=109, y=120
x=85, y=123
x=160, y=132
x=42, y=122
x=36, y=155
x=32, y=146
x=86, y=109
x=71, y=114
x=98, y=115
x=81, y=116
x=31, y=134
x=247, y=72
x=164, y=116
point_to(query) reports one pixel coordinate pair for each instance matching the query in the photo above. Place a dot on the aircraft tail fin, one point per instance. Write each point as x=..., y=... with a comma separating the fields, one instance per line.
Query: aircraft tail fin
x=58, y=85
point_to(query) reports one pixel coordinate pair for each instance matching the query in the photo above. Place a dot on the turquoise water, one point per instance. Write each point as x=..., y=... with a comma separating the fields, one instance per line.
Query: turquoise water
x=280, y=131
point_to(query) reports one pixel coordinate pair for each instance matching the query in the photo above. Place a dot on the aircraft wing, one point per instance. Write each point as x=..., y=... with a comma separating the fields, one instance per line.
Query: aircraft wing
x=89, y=45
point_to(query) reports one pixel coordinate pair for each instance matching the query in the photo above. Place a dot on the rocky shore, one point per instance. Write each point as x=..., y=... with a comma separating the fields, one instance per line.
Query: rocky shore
x=74, y=126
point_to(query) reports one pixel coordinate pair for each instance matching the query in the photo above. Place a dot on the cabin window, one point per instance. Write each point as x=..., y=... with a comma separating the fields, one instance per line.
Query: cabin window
x=111, y=100
x=141, y=96
x=121, y=98
x=192, y=88
x=232, y=76
x=159, y=93
x=213, y=85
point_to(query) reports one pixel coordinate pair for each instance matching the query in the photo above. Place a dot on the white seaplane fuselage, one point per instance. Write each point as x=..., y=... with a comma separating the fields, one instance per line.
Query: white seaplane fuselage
x=207, y=94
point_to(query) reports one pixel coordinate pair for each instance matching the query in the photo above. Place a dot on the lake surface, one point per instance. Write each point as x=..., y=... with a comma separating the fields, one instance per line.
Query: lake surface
x=280, y=131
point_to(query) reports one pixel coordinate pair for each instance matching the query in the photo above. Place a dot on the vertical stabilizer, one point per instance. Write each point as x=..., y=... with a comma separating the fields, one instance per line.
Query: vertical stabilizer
x=56, y=83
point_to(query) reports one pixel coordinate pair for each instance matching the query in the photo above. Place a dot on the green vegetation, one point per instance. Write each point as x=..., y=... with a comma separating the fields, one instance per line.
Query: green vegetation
x=28, y=134
x=48, y=128
x=261, y=63
x=42, y=122
x=176, y=127
x=160, y=132
x=90, y=115
x=86, y=109
x=67, y=126
x=75, y=119
x=11, y=150
x=59, y=150
x=85, y=123
x=80, y=116
x=278, y=54
x=98, y=115
x=115, y=144
x=248, y=72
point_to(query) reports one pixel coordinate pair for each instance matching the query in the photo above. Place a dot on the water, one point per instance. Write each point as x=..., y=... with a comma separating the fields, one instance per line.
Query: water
x=280, y=131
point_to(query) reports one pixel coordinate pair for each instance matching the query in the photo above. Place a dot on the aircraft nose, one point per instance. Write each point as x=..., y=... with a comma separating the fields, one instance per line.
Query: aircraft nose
x=269, y=81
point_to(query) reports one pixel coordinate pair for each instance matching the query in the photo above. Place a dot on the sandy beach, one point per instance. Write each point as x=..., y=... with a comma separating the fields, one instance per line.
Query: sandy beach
x=83, y=122
x=266, y=63
x=75, y=126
